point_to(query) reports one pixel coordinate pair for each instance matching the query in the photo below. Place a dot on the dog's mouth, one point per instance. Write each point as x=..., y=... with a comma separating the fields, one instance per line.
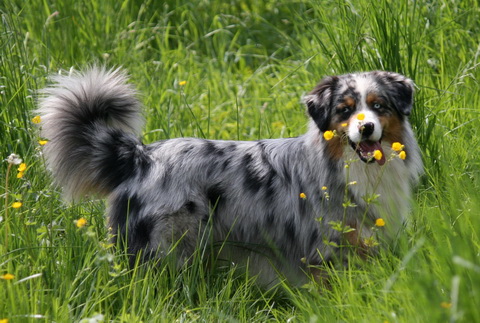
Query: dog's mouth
x=366, y=151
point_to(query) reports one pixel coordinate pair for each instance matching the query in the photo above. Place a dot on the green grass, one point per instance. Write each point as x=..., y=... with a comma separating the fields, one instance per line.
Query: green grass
x=246, y=64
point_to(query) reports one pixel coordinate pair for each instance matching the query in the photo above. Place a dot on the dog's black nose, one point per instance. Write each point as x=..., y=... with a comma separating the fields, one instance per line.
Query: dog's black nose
x=367, y=129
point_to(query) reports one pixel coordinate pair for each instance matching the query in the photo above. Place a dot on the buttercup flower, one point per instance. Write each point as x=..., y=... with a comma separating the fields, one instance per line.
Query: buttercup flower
x=36, y=120
x=182, y=83
x=22, y=167
x=20, y=174
x=3, y=320
x=42, y=142
x=16, y=205
x=397, y=146
x=81, y=222
x=402, y=155
x=344, y=124
x=328, y=135
x=380, y=222
x=303, y=196
x=324, y=188
x=7, y=276
x=377, y=154
x=361, y=116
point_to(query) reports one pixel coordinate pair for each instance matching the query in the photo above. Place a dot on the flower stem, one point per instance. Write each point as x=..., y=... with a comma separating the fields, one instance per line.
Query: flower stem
x=6, y=205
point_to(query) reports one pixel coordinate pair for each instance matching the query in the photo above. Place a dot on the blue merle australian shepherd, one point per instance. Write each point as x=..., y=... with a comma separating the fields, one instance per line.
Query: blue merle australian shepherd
x=283, y=206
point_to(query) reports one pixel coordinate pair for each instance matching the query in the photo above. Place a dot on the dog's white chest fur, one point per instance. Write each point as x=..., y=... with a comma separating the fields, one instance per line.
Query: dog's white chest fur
x=383, y=190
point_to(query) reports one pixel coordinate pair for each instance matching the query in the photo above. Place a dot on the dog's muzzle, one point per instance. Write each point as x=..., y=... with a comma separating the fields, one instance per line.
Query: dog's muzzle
x=366, y=148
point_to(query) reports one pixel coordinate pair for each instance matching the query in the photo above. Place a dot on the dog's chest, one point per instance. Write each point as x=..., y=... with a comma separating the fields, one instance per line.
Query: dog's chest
x=382, y=190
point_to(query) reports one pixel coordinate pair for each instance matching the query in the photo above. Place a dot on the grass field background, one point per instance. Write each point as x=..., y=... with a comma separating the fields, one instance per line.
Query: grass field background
x=246, y=65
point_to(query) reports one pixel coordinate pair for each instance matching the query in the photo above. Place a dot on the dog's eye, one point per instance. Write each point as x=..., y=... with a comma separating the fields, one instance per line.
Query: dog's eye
x=346, y=112
x=377, y=106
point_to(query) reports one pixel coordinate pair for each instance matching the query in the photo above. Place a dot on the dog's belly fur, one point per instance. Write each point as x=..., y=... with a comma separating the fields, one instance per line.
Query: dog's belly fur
x=276, y=205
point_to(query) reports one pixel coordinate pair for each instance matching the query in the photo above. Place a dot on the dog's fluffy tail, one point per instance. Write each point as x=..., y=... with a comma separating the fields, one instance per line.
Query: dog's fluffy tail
x=91, y=121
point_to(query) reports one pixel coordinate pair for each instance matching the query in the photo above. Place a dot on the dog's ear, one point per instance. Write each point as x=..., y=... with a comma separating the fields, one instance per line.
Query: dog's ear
x=319, y=102
x=401, y=91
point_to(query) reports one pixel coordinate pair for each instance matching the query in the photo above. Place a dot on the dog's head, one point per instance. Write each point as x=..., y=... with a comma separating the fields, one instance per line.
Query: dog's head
x=363, y=109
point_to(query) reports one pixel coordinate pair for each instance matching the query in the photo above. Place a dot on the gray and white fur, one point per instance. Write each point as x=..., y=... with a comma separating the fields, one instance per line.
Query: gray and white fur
x=243, y=193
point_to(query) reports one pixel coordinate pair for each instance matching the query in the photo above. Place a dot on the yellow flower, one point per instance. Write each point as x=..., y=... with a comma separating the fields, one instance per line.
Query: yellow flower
x=328, y=135
x=402, y=155
x=344, y=124
x=361, y=116
x=81, y=222
x=397, y=146
x=22, y=167
x=7, y=276
x=16, y=205
x=445, y=305
x=42, y=142
x=3, y=320
x=324, y=188
x=20, y=174
x=377, y=154
x=182, y=83
x=36, y=120
x=303, y=196
x=379, y=222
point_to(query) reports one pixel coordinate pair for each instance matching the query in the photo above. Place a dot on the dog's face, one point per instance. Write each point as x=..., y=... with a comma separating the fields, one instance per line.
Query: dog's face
x=363, y=109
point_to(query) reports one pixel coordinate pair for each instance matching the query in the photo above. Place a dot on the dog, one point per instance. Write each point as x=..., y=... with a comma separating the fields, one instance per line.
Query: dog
x=279, y=206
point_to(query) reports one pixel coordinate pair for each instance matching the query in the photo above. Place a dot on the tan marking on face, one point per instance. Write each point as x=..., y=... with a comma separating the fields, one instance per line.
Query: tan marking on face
x=372, y=98
x=349, y=101
x=336, y=144
x=392, y=128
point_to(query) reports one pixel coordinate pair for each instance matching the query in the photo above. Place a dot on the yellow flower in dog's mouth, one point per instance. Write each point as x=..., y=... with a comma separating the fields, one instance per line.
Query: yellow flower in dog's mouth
x=397, y=146
x=377, y=154
x=328, y=135
x=303, y=196
x=402, y=155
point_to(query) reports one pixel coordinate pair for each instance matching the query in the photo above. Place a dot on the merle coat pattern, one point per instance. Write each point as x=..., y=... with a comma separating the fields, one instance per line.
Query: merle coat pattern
x=244, y=192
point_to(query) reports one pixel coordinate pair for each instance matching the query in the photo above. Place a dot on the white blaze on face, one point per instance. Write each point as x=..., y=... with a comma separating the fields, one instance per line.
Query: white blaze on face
x=355, y=126
x=365, y=129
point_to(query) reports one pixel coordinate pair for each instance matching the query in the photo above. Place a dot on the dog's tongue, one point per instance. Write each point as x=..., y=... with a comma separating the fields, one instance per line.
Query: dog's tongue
x=368, y=148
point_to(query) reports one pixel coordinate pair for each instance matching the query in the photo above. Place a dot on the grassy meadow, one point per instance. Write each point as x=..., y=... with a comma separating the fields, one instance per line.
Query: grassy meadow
x=236, y=69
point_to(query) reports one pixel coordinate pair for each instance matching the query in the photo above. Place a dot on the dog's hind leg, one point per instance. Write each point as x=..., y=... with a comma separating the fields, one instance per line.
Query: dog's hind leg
x=157, y=235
